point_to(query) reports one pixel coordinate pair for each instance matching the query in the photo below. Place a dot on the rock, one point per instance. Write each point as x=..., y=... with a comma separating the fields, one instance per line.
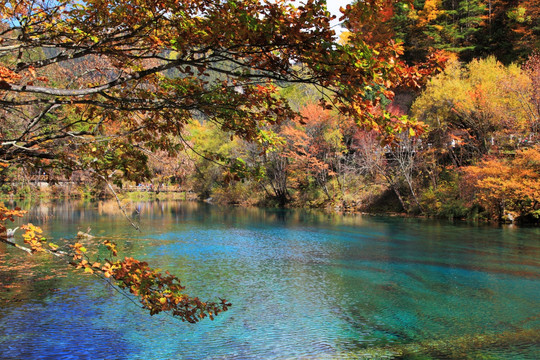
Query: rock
x=84, y=235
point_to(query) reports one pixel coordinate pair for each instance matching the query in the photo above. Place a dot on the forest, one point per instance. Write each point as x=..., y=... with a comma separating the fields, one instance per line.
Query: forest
x=424, y=108
x=477, y=156
x=420, y=108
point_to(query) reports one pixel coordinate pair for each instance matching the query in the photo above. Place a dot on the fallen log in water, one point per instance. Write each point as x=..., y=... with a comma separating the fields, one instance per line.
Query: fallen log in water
x=453, y=348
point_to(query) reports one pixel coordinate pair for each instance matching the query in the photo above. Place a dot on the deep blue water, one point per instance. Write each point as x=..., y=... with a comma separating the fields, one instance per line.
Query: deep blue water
x=304, y=285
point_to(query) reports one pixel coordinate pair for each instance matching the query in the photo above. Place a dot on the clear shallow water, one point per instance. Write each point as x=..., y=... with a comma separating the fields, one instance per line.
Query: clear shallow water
x=303, y=285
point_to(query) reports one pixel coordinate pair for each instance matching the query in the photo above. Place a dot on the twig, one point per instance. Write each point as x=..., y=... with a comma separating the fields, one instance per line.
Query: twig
x=57, y=253
x=6, y=241
x=122, y=208
x=62, y=254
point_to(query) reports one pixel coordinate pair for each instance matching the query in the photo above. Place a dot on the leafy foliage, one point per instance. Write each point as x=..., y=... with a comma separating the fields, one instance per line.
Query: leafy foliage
x=314, y=144
x=264, y=93
x=473, y=105
x=470, y=28
x=7, y=214
x=503, y=186
x=98, y=86
x=156, y=292
x=141, y=70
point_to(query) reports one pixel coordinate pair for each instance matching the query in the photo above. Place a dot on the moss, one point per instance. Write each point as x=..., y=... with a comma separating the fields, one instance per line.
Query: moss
x=474, y=346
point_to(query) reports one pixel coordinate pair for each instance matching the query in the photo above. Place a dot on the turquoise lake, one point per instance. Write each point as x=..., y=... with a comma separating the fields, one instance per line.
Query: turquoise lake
x=303, y=284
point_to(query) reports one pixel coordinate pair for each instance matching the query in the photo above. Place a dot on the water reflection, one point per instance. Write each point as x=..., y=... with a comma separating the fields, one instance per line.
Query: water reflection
x=303, y=285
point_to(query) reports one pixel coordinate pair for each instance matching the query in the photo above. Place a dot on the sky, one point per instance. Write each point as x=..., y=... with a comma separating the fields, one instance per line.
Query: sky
x=333, y=7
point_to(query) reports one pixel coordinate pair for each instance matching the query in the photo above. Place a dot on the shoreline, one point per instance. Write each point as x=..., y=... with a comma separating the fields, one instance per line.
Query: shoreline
x=189, y=196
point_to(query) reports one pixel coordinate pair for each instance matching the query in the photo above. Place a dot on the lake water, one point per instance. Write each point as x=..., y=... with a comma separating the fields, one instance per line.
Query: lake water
x=304, y=285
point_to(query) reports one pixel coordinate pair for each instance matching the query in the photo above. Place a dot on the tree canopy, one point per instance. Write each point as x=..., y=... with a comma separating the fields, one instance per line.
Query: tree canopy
x=98, y=85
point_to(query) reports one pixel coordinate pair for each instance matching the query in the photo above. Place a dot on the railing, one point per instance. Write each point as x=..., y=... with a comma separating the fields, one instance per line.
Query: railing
x=39, y=178
x=153, y=188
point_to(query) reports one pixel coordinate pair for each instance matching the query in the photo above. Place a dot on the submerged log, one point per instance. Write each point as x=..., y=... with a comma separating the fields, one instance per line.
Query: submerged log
x=83, y=235
x=453, y=348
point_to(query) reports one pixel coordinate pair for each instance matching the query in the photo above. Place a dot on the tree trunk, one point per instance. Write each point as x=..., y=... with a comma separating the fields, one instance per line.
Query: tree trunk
x=400, y=198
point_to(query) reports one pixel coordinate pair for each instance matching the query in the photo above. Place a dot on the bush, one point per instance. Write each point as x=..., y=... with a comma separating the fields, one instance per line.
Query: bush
x=445, y=201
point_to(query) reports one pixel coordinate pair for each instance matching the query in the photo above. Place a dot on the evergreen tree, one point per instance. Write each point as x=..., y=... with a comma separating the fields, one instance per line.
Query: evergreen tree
x=451, y=25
